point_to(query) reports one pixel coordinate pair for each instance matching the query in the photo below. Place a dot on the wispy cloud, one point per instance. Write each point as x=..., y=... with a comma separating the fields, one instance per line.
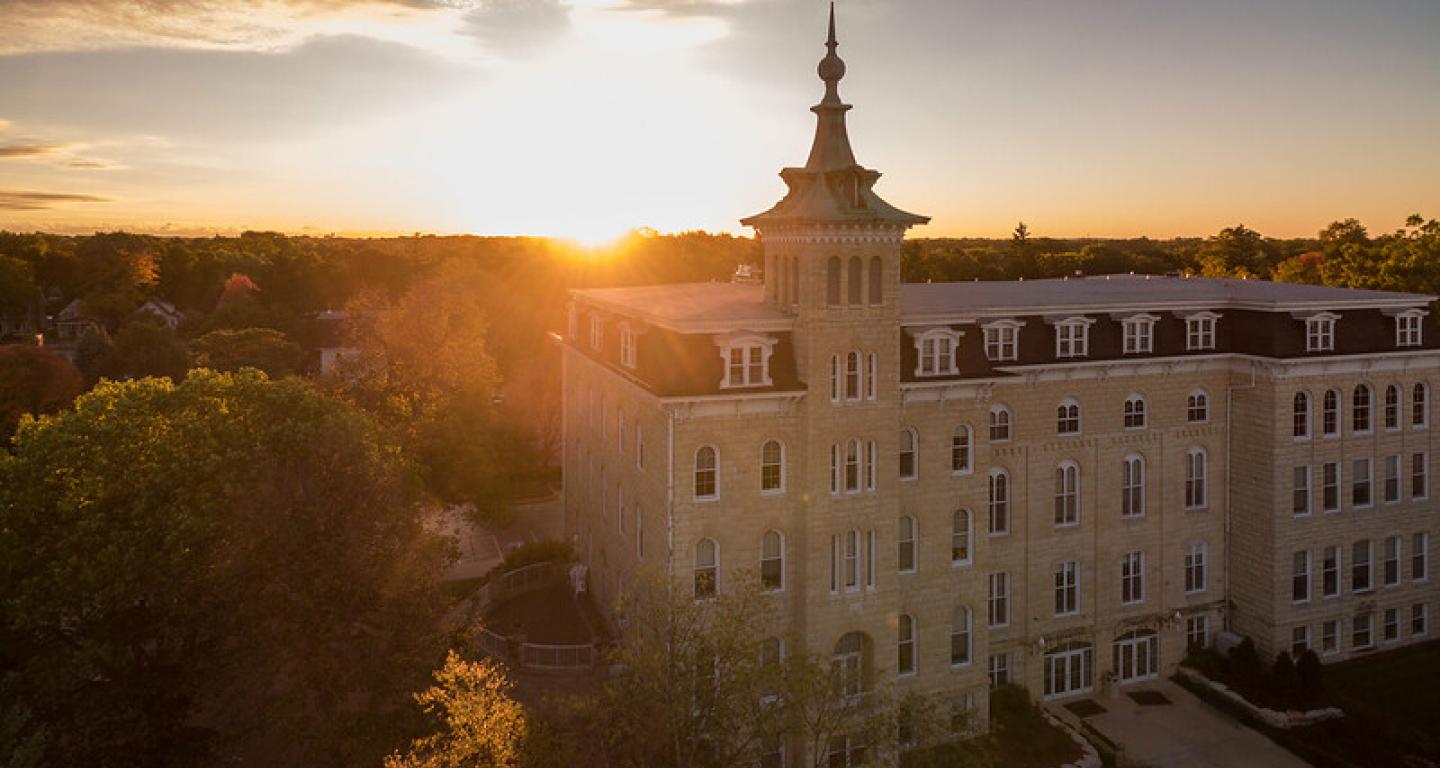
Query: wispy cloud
x=88, y=164
x=516, y=28
x=24, y=200
x=29, y=150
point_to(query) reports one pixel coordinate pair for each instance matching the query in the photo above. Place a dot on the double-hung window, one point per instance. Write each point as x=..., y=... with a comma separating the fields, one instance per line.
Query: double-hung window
x=1132, y=578
x=1200, y=331
x=1072, y=337
x=1300, y=577
x=747, y=362
x=1300, y=503
x=1330, y=572
x=1320, y=332
x=1360, y=482
x=1067, y=588
x=1195, y=576
x=1360, y=578
x=1002, y=340
x=999, y=612
x=1067, y=494
x=1139, y=334
x=1408, y=328
x=936, y=350
x=1330, y=486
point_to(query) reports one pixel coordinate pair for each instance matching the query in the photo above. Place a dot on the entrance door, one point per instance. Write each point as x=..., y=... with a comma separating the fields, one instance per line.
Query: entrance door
x=1137, y=656
x=1068, y=671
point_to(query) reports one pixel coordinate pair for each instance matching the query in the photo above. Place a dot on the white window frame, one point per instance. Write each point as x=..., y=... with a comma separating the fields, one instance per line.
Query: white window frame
x=1063, y=417
x=962, y=536
x=1365, y=479
x=748, y=345
x=1067, y=494
x=1132, y=578
x=1197, y=491
x=1301, y=498
x=998, y=503
x=715, y=481
x=1002, y=424
x=1329, y=637
x=939, y=358
x=1197, y=403
x=1367, y=620
x=1420, y=557
x=778, y=466
x=1002, y=340
x=906, y=541
x=1419, y=614
x=1132, y=486
x=1392, y=561
x=910, y=435
x=962, y=443
x=1072, y=337
x=1390, y=490
x=1365, y=414
x=962, y=626
x=1419, y=405
x=1330, y=416
x=1409, y=328
x=1139, y=334
x=767, y=558
x=627, y=346
x=1368, y=563
x=1330, y=487
x=1197, y=568
x=1332, y=562
x=1134, y=412
x=1300, y=426
x=905, y=639
x=713, y=568
x=1390, y=408
x=1200, y=331
x=998, y=613
x=1067, y=588
x=1320, y=332
x=1301, y=567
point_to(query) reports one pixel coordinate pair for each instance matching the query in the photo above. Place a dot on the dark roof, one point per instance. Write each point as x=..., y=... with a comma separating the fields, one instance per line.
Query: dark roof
x=937, y=301
x=692, y=307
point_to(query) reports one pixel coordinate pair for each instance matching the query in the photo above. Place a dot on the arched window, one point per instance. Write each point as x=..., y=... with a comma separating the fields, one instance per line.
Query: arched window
x=960, y=631
x=1419, y=406
x=909, y=468
x=853, y=374
x=961, y=533
x=707, y=480
x=1137, y=655
x=999, y=502
x=1360, y=409
x=1067, y=417
x=905, y=641
x=794, y=280
x=960, y=454
x=849, y=663
x=905, y=535
x=1067, y=493
x=832, y=281
x=772, y=561
x=877, y=280
x=856, y=294
x=852, y=466
x=1301, y=409
x=1197, y=407
x=1132, y=486
x=772, y=467
x=1392, y=407
x=1135, y=412
x=999, y=424
x=1195, y=490
x=707, y=569
x=1330, y=413
x=870, y=463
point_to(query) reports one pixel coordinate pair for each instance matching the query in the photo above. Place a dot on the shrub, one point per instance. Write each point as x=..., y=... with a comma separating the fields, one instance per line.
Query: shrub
x=1308, y=672
x=1284, y=671
x=1245, y=661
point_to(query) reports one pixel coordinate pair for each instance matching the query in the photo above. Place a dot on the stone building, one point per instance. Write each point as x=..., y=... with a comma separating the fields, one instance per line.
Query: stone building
x=1049, y=482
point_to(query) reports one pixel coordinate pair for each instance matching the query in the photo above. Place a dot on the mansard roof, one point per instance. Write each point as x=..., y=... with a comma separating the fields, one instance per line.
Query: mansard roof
x=922, y=302
x=692, y=307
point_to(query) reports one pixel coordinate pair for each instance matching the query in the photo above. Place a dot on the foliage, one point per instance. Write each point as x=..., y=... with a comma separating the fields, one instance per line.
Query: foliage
x=481, y=725
x=532, y=552
x=1309, y=673
x=17, y=284
x=1245, y=661
x=34, y=380
x=472, y=452
x=144, y=347
x=264, y=348
x=1283, y=672
x=228, y=562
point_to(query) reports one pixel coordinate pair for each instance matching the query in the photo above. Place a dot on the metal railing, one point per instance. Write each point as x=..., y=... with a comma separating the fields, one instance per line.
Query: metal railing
x=540, y=656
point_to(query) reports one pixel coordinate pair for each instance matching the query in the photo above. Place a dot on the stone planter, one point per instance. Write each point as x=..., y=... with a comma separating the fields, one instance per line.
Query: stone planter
x=1270, y=717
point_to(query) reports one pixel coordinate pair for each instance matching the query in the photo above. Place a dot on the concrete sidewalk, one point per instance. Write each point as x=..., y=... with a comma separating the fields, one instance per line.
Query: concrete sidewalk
x=1185, y=733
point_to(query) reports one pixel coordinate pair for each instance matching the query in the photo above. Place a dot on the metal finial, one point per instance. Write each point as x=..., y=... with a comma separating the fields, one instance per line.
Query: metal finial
x=830, y=43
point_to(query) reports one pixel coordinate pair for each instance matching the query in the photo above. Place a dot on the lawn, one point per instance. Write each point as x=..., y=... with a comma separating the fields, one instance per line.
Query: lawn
x=1392, y=713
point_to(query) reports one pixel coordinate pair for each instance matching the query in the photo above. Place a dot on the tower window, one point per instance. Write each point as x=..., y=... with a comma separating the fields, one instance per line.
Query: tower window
x=877, y=280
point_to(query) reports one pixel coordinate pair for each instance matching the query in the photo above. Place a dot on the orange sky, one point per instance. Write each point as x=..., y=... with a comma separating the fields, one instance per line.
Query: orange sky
x=590, y=117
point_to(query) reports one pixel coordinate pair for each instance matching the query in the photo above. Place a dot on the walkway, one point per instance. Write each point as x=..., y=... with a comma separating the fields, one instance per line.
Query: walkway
x=483, y=548
x=1183, y=733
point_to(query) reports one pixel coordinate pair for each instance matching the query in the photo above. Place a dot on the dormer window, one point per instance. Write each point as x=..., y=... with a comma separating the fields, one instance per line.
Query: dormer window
x=1200, y=331
x=1140, y=334
x=747, y=360
x=1407, y=328
x=1002, y=340
x=597, y=333
x=1072, y=337
x=936, y=349
x=1320, y=332
x=627, y=346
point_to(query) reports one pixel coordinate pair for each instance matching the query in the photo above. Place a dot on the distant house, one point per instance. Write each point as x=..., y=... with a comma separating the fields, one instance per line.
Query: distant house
x=326, y=334
x=72, y=321
x=164, y=311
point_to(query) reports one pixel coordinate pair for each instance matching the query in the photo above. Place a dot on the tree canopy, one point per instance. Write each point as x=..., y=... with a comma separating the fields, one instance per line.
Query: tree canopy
x=226, y=569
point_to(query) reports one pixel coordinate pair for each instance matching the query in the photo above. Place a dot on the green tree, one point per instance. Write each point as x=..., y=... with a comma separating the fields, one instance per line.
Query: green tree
x=17, y=285
x=264, y=348
x=34, y=380
x=1236, y=251
x=145, y=347
x=191, y=572
x=472, y=452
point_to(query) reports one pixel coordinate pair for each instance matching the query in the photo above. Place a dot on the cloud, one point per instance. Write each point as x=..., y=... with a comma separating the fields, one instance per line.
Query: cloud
x=217, y=95
x=39, y=25
x=516, y=28
x=29, y=150
x=22, y=200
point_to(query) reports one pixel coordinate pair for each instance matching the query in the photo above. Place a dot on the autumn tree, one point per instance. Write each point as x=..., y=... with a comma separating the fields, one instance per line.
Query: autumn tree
x=218, y=570
x=480, y=724
x=34, y=380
